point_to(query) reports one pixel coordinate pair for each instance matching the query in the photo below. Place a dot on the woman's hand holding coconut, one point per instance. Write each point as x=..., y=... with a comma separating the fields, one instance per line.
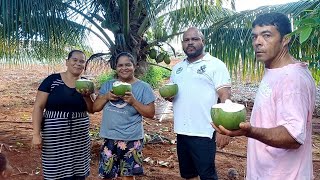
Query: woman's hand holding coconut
x=60, y=115
x=129, y=98
x=124, y=101
x=86, y=88
x=85, y=92
x=111, y=97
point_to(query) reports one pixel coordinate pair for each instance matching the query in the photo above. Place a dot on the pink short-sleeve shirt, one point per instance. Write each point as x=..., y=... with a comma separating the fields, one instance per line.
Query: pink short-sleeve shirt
x=286, y=97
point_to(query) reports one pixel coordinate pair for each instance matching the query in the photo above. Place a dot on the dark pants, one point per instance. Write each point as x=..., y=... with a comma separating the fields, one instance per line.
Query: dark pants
x=196, y=157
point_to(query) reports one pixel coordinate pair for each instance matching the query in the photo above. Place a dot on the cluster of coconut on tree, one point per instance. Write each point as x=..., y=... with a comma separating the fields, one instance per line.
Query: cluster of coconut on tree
x=159, y=57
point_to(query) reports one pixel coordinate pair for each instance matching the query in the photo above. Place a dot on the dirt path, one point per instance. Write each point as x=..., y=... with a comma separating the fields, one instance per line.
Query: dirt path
x=17, y=94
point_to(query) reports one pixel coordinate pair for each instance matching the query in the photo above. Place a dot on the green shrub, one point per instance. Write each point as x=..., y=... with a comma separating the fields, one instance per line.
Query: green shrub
x=104, y=77
x=155, y=76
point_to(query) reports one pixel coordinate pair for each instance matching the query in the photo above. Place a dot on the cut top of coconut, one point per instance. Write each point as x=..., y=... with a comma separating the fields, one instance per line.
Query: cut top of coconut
x=171, y=83
x=118, y=83
x=83, y=80
x=229, y=106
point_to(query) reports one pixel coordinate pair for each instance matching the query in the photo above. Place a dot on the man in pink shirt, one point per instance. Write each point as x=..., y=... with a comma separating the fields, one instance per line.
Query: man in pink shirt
x=279, y=131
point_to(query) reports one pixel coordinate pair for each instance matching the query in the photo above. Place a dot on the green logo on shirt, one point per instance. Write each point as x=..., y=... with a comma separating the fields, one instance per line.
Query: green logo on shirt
x=202, y=69
x=179, y=70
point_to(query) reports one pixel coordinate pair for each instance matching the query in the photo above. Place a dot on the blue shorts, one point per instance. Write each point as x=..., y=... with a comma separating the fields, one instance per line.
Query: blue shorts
x=196, y=157
x=120, y=158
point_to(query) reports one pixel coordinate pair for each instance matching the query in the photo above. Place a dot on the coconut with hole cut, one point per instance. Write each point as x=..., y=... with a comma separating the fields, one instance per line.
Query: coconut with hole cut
x=228, y=114
x=168, y=90
x=120, y=88
x=84, y=85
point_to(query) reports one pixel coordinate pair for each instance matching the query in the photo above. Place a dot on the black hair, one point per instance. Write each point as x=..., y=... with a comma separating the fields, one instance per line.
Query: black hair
x=279, y=20
x=131, y=58
x=74, y=51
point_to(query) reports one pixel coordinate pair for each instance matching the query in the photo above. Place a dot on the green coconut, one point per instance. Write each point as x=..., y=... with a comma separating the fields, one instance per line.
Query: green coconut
x=228, y=114
x=120, y=88
x=168, y=90
x=84, y=85
x=153, y=53
x=167, y=59
x=160, y=57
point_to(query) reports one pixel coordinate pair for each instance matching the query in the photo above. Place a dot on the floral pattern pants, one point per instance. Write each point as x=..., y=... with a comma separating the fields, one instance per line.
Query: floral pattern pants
x=120, y=158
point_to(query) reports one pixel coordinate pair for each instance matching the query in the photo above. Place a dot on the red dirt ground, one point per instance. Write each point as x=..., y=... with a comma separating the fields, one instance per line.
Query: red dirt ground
x=17, y=94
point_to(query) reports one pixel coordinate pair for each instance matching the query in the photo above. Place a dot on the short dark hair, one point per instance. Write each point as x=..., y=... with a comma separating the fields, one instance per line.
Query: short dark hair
x=130, y=56
x=74, y=51
x=279, y=20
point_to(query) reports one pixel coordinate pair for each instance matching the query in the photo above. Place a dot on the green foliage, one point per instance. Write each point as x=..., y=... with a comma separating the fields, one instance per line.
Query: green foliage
x=309, y=23
x=308, y=33
x=155, y=76
x=104, y=77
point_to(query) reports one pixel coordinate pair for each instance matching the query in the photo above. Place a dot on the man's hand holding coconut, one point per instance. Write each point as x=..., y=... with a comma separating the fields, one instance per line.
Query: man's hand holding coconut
x=201, y=79
x=168, y=91
x=229, y=119
x=245, y=128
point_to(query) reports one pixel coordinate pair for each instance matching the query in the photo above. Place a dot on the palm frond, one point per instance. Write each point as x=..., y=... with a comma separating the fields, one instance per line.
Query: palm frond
x=39, y=30
x=230, y=38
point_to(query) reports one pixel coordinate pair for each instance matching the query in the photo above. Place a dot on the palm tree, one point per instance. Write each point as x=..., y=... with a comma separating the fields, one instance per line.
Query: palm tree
x=130, y=22
x=44, y=29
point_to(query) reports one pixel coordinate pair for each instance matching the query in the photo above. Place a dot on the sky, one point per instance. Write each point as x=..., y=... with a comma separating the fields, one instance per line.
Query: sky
x=253, y=4
x=241, y=5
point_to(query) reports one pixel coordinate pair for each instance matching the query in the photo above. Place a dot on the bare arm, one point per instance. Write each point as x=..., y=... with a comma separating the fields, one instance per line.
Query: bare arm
x=99, y=102
x=102, y=99
x=224, y=93
x=147, y=110
x=37, y=114
x=87, y=98
x=222, y=140
x=278, y=137
x=89, y=103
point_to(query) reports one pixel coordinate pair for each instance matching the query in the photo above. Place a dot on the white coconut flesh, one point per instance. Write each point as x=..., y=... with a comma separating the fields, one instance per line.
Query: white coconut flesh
x=229, y=106
x=84, y=80
x=119, y=83
x=169, y=84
